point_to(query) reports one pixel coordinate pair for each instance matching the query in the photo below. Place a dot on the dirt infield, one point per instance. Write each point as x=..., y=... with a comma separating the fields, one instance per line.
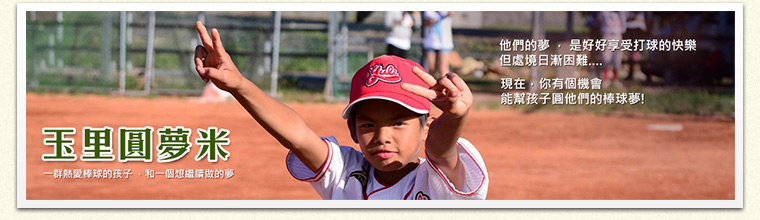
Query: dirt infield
x=553, y=156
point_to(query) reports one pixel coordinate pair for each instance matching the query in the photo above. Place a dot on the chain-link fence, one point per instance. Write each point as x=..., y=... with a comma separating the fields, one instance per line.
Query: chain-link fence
x=112, y=51
x=88, y=50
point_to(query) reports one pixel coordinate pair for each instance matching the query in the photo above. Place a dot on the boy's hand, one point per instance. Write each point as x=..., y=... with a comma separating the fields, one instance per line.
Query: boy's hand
x=449, y=93
x=213, y=63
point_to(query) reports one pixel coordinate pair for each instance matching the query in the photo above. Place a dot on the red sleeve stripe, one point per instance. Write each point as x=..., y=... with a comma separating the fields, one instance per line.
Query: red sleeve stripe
x=325, y=165
x=448, y=183
x=322, y=169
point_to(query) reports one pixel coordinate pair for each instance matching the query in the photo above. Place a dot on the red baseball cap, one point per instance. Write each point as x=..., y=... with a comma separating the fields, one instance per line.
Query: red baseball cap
x=381, y=78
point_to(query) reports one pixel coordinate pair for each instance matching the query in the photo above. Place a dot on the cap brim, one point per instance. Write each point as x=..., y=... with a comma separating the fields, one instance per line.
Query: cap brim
x=347, y=110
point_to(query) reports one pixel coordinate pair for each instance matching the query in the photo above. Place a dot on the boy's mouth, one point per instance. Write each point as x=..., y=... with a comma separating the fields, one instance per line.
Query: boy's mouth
x=383, y=154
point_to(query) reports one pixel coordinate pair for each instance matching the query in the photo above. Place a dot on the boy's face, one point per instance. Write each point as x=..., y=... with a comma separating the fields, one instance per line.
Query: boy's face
x=390, y=135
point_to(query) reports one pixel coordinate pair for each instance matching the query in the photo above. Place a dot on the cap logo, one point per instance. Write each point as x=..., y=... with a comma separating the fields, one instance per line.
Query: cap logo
x=389, y=74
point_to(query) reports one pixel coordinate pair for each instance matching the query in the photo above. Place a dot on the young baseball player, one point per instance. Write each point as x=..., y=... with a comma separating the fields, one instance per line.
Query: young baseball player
x=388, y=116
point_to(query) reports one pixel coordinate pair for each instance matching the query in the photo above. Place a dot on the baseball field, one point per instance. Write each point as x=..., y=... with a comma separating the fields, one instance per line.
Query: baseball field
x=529, y=156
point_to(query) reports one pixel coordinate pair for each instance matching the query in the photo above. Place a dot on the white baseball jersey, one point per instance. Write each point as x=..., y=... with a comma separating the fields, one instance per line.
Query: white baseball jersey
x=346, y=174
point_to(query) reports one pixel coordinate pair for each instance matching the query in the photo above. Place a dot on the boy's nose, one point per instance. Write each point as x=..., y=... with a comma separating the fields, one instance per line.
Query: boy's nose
x=384, y=135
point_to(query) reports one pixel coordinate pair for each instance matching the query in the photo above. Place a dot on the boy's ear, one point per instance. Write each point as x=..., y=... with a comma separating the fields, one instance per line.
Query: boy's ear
x=429, y=121
x=352, y=129
x=425, y=130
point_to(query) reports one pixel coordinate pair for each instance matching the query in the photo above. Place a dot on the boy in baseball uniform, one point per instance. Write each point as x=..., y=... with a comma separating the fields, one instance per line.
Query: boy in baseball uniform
x=388, y=116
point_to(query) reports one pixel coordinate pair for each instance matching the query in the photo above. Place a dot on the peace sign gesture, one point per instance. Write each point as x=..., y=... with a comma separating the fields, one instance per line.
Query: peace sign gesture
x=449, y=93
x=213, y=63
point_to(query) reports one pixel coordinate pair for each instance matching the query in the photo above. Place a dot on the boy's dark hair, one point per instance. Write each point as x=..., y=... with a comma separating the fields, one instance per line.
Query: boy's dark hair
x=351, y=123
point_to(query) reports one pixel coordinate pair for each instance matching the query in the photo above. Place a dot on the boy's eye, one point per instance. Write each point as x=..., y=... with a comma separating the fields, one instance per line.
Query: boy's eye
x=366, y=125
x=398, y=124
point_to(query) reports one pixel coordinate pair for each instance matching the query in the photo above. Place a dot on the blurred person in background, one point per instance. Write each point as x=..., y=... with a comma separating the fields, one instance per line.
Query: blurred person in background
x=595, y=56
x=437, y=41
x=399, y=38
x=613, y=25
x=636, y=26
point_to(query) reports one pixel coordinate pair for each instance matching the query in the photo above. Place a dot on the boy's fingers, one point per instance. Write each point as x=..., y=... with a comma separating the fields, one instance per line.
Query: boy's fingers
x=202, y=72
x=458, y=82
x=204, y=35
x=218, y=47
x=451, y=89
x=198, y=64
x=438, y=89
x=200, y=53
x=214, y=73
x=426, y=78
x=419, y=90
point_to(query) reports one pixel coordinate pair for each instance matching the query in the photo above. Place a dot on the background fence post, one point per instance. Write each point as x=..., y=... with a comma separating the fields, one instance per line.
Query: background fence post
x=149, y=55
x=32, y=29
x=537, y=33
x=275, y=53
x=122, y=51
x=59, y=37
x=332, y=28
x=105, y=46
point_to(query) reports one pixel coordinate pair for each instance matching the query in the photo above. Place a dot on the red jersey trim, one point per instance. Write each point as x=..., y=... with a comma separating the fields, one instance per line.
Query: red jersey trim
x=409, y=192
x=366, y=197
x=374, y=175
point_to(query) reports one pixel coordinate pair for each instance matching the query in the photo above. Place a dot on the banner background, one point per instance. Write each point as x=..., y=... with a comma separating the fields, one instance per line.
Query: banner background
x=7, y=129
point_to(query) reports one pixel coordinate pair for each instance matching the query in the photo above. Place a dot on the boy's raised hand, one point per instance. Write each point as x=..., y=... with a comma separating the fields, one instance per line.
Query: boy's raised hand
x=213, y=63
x=449, y=93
